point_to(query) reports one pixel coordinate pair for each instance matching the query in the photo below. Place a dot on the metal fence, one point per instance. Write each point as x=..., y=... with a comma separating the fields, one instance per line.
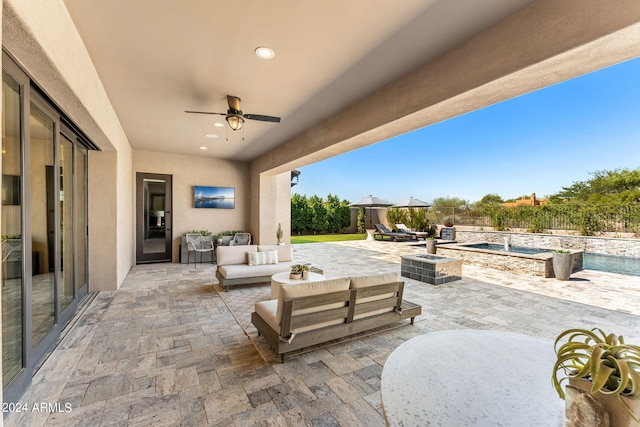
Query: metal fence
x=587, y=219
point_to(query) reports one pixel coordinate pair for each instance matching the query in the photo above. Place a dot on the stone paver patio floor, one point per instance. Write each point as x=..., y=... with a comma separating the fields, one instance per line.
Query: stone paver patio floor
x=166, y=349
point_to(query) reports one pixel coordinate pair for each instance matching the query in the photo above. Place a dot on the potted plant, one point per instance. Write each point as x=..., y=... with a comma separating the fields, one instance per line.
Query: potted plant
x=603, y=366
x=562, y=264
x=296, y=271
x=219, y=239
x=447, y=222
x=279, y=234
x=431, y=245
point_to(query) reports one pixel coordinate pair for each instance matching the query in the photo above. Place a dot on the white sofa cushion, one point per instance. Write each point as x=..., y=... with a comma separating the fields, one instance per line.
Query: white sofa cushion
x=285, y=253
x=267, y=310
x=239, y=271
x=373, y=280
x=229, y=255
x=262, y=258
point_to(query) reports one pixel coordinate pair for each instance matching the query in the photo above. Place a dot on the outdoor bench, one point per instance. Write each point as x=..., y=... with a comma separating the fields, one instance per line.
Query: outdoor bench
x=235, y=268
x=307, y=314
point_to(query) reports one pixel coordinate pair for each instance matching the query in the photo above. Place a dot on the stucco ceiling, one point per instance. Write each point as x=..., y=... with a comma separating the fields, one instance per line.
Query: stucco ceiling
x=157, y=58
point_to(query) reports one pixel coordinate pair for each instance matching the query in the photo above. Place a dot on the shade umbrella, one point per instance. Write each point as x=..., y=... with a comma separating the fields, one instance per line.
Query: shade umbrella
x=371, y=202
x=412, y=203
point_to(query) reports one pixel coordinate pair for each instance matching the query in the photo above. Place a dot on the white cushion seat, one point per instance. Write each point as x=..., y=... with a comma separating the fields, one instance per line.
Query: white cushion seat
x=267, y=310
x=237, y=271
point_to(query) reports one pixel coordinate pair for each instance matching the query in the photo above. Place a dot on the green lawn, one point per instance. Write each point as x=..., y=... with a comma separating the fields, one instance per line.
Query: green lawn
x=326, y=238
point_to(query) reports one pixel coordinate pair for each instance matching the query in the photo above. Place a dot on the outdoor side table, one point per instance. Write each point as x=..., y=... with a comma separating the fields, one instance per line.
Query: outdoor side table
x=478, y=378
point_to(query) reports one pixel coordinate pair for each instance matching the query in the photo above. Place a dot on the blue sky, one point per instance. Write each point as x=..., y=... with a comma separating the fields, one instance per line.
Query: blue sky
x=535, y=143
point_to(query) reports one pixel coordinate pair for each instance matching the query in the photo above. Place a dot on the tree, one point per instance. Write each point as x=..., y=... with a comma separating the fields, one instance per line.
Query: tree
x=397, y=216
x=362, y=226
x=300, y=213
x=417, y=219
x=448, y=202
x=490, y=199
x=318, y=214
x=618, y=186
x=338, y=213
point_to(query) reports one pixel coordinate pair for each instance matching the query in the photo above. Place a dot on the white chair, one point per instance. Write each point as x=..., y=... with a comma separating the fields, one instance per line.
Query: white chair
x=195, y=244
x=240, y=239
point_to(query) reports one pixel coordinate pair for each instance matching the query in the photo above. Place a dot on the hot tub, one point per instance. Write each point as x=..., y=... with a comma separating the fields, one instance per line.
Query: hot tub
x=521, y=260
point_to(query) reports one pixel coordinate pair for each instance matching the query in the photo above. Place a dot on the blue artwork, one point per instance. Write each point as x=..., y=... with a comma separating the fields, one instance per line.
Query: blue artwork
x=213, y=197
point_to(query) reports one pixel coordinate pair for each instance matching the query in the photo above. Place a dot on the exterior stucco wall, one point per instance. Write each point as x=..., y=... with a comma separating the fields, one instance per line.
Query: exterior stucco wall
x=102, y=190
x=270, y=205
x=43, y=40
x=188, y=171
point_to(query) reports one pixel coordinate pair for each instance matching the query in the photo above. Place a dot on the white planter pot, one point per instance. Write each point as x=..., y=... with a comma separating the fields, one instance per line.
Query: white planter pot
x=306, y=275
x=431, y=246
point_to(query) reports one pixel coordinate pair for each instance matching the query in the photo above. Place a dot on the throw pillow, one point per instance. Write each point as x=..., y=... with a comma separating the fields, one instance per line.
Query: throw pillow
x=262, y=258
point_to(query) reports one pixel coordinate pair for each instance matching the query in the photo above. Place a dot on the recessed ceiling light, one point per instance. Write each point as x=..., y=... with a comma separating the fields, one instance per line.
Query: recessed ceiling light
x=211, y=135
x=264, y=52
x=203, y=148
x=218, y=125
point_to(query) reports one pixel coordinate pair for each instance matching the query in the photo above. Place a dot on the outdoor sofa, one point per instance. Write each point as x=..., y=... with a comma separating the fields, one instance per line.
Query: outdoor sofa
x=239, y=265
x=306, y=314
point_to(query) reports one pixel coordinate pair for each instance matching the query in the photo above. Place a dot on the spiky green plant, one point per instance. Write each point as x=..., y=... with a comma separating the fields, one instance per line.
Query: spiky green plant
x=611, y=366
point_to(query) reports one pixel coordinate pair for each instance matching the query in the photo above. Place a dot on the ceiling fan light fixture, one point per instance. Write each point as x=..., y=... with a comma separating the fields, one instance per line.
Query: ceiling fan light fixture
x=264, y=52
x=235, y=121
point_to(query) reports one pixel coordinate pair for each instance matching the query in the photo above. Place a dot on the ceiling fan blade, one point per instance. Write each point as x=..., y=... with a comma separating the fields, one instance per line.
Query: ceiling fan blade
x=234, y=102
x=205, y=112
x=262, y=118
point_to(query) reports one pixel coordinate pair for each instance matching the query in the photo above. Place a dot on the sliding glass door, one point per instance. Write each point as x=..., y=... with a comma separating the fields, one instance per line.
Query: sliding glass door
x=44, y=227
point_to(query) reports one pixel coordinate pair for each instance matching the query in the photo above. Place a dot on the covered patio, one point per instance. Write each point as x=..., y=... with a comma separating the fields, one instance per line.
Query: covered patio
x=168, y=348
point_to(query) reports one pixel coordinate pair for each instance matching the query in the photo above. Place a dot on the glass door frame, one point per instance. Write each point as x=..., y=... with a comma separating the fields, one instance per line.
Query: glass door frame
x=141, y=256
x=78, y=291
x=53, y=334
x=12, y=391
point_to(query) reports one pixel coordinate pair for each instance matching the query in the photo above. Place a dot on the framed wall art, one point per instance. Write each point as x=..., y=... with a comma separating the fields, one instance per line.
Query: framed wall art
x=214, y=197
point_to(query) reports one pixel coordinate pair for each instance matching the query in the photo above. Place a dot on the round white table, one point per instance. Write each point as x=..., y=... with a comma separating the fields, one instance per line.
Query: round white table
x=476, y=378
x=283, y=279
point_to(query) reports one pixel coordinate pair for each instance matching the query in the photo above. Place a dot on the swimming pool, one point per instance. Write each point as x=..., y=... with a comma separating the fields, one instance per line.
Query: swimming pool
x=611, y=264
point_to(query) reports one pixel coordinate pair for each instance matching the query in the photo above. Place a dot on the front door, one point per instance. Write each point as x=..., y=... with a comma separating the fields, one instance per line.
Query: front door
x=153, y=218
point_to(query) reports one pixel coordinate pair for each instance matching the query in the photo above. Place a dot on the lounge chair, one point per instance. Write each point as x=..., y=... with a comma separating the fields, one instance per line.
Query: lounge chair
x=383, y=231
x=416, y=234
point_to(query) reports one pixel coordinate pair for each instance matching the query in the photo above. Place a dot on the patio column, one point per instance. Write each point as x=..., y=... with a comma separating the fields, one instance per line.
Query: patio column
x=270, y=205
x=103, y=203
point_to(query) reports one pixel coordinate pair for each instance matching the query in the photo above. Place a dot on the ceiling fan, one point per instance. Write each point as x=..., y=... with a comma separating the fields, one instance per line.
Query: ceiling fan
x=234, y=115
